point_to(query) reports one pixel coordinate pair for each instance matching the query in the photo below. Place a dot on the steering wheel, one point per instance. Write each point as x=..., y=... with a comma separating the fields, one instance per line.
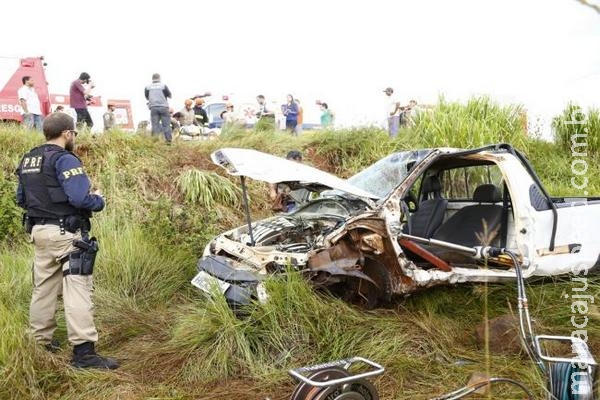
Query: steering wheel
x=411, y=201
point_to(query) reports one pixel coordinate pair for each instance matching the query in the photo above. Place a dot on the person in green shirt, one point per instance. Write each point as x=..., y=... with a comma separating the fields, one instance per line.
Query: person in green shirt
x=326, y=116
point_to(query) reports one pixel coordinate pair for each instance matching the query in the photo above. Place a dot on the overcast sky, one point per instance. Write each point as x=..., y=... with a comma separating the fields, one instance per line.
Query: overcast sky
x=536, y=52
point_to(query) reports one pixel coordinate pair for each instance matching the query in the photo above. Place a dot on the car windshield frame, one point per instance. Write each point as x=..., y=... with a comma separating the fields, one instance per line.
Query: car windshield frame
x=386, y=174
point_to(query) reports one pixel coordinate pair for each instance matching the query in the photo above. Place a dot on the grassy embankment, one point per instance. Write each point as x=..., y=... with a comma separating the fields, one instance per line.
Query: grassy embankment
x=174, y=343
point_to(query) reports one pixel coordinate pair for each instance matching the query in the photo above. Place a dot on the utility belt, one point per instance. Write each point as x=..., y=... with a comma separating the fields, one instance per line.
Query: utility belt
x=70, y=223
x=82, y=259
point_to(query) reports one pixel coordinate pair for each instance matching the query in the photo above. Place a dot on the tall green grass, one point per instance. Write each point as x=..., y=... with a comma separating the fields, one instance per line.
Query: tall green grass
x=554, y=165
x=577, y=130
x=479, y=122
x=25, y=371
x=207, y=189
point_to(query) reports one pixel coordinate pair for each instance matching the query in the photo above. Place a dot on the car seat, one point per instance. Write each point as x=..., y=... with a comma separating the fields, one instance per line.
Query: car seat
x=430, y=213
x=468, y=224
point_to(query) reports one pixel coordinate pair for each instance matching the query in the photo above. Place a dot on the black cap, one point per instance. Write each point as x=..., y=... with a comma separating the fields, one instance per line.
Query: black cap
x=84, y=76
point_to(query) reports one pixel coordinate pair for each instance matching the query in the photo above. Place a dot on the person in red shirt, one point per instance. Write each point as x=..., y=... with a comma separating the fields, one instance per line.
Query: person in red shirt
x=78, y=98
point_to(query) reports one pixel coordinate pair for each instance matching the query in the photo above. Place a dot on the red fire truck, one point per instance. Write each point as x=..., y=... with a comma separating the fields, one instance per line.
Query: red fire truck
x=10, y=110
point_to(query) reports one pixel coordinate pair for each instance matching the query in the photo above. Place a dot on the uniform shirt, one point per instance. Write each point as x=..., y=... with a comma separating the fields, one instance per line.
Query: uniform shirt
x=75, y=183
x=109, y=120
x=200, y=115
x=157, y=94
x=31, y=99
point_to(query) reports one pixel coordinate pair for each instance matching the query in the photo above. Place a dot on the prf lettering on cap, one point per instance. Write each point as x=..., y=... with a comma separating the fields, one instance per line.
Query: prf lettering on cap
x=31, y=165
x=72, y=172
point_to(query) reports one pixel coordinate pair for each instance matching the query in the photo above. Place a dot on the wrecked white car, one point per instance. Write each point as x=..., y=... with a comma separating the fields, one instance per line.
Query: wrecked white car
x=410, y=221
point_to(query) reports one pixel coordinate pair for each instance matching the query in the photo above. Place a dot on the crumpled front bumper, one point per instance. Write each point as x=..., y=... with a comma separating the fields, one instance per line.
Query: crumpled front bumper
x=238, y=286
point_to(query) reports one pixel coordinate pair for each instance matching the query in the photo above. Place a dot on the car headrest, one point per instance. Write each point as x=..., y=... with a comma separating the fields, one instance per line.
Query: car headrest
x=487, y=193
x=431, y=184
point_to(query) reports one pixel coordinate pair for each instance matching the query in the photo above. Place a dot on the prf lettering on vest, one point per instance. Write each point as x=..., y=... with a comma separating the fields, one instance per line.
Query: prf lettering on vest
x=32, y=165
x=73, y=172
x=32, y=162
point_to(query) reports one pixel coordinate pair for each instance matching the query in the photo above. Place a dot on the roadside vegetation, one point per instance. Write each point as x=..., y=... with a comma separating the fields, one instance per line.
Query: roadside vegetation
x=165, y=203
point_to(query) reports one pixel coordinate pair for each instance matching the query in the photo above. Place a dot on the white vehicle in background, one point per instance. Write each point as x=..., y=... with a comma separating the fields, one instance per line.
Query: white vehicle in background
x=215, y=106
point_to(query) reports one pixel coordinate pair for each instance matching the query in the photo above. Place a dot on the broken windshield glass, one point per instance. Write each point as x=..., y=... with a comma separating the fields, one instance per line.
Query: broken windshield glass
x=383, y=176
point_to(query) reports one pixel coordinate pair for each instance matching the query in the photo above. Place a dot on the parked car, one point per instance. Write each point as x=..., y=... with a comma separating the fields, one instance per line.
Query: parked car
x=215, y=106
x=402, y=225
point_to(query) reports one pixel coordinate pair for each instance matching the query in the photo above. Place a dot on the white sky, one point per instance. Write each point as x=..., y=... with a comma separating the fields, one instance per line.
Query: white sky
x=537, y=52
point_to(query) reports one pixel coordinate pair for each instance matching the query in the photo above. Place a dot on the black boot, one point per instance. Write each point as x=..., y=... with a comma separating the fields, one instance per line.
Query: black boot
x=84, y=356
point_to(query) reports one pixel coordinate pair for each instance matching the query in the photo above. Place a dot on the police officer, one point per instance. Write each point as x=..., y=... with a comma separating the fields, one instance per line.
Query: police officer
x=55, y=191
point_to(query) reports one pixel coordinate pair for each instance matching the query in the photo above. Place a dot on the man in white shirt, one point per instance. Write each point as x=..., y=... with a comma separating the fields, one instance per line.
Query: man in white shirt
x=392, y=109
x=30, y=104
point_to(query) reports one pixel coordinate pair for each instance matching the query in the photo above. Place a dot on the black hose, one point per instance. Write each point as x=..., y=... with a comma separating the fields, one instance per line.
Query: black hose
x=527, y=335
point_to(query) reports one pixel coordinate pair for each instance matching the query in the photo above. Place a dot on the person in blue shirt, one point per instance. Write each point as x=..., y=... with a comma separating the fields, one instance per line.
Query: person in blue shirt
x=56, y=193
x=290, y=110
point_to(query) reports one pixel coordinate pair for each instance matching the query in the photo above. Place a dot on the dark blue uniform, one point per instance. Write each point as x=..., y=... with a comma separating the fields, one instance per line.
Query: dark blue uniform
x=70, y=178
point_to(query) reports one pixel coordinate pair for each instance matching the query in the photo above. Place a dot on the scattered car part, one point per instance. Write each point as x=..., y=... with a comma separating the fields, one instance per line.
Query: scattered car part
x=239, y=287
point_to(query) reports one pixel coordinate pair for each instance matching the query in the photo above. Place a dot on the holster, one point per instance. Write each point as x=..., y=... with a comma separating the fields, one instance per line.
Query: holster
x=82, y=260
x=27, y=223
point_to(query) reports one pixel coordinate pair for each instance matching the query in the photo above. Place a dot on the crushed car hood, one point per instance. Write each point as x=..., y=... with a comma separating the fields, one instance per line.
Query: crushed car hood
x=268, y=168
